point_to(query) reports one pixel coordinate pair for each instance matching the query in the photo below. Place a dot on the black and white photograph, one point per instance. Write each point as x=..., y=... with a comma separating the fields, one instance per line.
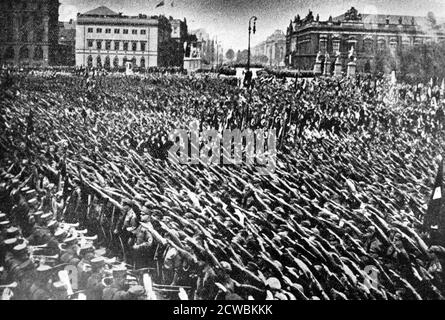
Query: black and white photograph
x=202, y=150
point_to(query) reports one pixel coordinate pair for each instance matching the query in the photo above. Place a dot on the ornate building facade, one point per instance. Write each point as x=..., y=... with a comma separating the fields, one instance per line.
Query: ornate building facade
x=108, y=39
x=67, y=43
x=29, y=32
x=366, y=33
x=274, y=48
x=179, y=36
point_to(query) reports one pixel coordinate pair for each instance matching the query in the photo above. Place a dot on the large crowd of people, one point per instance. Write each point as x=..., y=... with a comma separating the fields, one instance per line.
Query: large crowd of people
x=86, y=183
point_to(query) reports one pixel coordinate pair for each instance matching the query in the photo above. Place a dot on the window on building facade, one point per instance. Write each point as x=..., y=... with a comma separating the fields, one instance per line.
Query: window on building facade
x=125, y=46
x=116, y=45
x=108, y=45
x=406, y=41
x=143, y=45
x=24, y=36
x=24, y=53
x=99, y=44
x=38, y=53
x=336, y=46
x=117, y=31
x=107, y=30
x=9, y=53
x=134, y=31
x=38, y=35
x=381, y=44
x=107, y=63
x=99, y=30
x=90, y=61
x=352, y=44
x=134, y=46
x=125, y=31
x=90, y=30
x=116, y=62
x=323, y=45
x=367, y=44
x=90, y=43
x=143, y=31
x=393, y=44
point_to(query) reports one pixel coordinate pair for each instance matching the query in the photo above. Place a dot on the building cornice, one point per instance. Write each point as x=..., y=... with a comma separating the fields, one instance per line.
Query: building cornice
x=117, y=21
x=384, y=32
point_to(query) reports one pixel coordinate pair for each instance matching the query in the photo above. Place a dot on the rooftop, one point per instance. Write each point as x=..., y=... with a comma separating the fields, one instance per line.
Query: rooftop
x=101, y=11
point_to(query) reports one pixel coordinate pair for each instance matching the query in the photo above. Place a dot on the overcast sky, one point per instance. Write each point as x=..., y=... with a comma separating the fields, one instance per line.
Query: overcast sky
x=228, y=19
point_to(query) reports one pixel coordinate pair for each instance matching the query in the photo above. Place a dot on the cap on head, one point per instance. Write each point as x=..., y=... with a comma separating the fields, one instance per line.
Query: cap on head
x=119, y=271
x=20, y=248
x=4, y=224
x=46, y=216
x=32, y=202
x=127, y=202
x=53, y=224
x=97, y=262
x=273, y=283
x=226, y=266
x=60, y=233
x=38, y=214
x=10, y=242
x=86, y=248
x=30, y=193
x=43, y=269
x=70, y=240
x=136, y=290
x=12, y=231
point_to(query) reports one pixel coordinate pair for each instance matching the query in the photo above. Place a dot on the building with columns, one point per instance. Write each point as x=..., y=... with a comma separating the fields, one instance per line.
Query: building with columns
x=108, y=39
x=274, y=48
x=368, y=34
x=29, y=32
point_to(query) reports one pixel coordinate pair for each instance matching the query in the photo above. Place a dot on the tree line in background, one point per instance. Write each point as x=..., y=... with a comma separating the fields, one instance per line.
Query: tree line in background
x=241, y=57
x=413, y=64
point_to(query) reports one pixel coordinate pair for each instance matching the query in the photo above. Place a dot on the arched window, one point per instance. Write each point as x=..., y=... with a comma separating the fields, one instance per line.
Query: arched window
x=38, y=53
x=98, y=62
x=9, y=53
x=381, y=44
x=368, y=44
x=23, y=53
x=90, y=61
x=142, y=62
x=107, y=63
x=116, y=62
x=133, y=61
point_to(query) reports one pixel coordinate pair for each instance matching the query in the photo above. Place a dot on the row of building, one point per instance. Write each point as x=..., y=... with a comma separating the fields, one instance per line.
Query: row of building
x=273, y=49
x=367, y=34
x=32, y=35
